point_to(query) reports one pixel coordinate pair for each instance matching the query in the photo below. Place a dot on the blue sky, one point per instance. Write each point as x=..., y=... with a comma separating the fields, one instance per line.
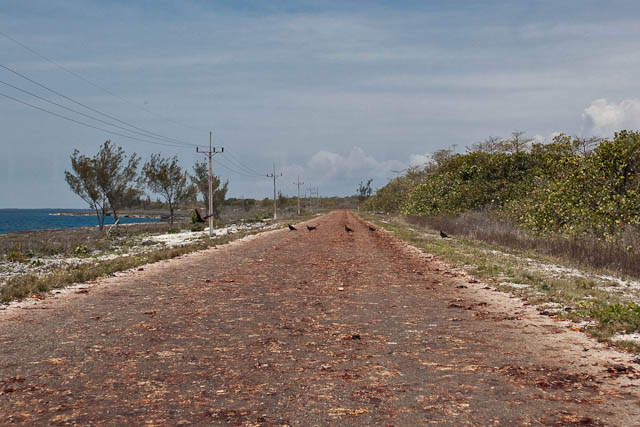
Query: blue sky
x=336, y=92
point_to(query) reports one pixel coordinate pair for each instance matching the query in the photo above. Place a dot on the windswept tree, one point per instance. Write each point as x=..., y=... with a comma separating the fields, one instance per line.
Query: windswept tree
x=585, y=145
x=83, y=181
x=364, y=190
x=166, y=178
x=116, y=175
x=440, y=157
x=517, y=143
x=105, y=180
x=201, y=180
x=490, y=145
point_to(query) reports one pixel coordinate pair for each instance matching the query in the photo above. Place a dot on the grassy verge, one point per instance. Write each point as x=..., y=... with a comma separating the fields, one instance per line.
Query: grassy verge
x=35, y=284
x=604, y=304
x=22, y=246
x=621, y=255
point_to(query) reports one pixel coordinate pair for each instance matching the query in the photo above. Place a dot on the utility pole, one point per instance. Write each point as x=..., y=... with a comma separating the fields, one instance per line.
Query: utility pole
x=298, y=184
x=212, y=152
x=274, y=176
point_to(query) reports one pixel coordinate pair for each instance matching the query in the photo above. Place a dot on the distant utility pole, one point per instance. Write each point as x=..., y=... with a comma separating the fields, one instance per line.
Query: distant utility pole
x=212, y=152
x=313, y=194
x=298, y=184
x=274, y=176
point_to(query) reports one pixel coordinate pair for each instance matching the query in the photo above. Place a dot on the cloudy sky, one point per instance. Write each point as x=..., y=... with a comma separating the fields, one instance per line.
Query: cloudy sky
x=333, y=91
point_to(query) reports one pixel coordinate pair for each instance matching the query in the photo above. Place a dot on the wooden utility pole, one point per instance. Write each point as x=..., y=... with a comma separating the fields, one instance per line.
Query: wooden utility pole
x=274, y=176
x=298, y=184
x=212, y=152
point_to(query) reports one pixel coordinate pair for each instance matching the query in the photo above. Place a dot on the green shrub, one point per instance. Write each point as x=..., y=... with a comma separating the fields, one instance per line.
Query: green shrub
x=197, y=226
x=81, y=251
x=597, y=194
x=16, y=255
x=621, y=317
x=473, y=181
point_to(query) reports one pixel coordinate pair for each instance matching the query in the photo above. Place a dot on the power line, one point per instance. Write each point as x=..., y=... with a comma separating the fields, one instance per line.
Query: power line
x=87, y=124
x=150, y=134
x=236, y=172
x=72, y=110
x=237, y=164
x=245, y=170
x=95, y=84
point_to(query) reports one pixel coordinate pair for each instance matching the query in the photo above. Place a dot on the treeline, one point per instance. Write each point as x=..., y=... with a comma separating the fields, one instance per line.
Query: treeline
x=571, y=186
x=110, y=181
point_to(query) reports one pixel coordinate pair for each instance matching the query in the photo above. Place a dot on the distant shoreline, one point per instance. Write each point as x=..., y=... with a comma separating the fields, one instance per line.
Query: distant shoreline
x=31, y=220
x=124, y=214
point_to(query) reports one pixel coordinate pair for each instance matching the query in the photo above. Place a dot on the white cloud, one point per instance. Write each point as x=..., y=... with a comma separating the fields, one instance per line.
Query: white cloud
x=355, y=164
x=336, y=173
x=419, y=159
x=603, y=118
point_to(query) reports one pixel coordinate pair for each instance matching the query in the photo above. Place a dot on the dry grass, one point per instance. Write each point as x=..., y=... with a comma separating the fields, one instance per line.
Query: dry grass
x=622, y=256
x=67, y=241
x=487, y=251
x=30, y=284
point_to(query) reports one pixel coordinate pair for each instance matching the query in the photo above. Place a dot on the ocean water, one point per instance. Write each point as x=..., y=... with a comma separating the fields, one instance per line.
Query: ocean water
x=38, y=219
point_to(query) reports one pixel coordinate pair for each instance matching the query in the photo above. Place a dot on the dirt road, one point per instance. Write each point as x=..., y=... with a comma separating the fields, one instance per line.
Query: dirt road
x=301, y=328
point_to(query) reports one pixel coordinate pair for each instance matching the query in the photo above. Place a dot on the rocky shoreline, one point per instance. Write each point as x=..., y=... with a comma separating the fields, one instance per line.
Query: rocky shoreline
x=123, y=214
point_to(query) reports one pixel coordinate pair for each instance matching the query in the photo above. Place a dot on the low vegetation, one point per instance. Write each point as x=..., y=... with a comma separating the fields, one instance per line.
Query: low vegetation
x=570, y=187
x=574, y=199
x=582, y=251
x=122, y=243
x=30, y=284
x=601, y=301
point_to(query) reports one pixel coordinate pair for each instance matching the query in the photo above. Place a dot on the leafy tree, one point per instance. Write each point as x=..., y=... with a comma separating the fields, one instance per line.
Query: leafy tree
x=471, y=181
x=570, y=186
x=105, y=181
x=166, y=178
x=83, y=181
x=201, y=180
x=116, y=175
x=364, y=190
x=440, y=157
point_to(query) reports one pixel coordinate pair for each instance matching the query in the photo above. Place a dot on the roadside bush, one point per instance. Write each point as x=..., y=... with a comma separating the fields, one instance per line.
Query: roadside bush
x=624, y=318
x=598, y=194
x=621, y=255
x=16, y=255
x=557, y=188
x=391, y=198
x=197, y=226
x=473, y=181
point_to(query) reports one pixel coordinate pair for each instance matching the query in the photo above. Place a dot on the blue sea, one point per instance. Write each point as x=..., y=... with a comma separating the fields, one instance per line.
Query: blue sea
x=38, y=219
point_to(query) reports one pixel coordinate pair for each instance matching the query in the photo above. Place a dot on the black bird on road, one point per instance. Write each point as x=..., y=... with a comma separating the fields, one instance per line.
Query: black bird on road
x=291, y=227
x=348, y=229
x=311, y=227
x=372, y=228
x=443, y=234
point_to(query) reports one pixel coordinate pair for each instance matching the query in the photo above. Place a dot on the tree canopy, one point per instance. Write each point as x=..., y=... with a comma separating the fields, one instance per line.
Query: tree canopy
x=165, y=177
x=105, y=180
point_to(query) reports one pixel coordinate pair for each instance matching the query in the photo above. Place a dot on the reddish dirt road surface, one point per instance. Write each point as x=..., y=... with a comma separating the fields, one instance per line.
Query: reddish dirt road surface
x=302, y=328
